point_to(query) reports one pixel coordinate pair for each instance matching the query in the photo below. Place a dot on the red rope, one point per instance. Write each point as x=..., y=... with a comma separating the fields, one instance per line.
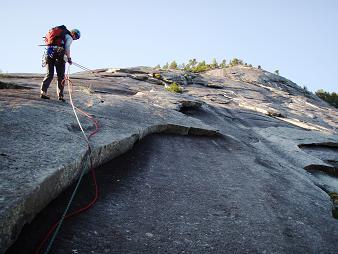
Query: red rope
x=92, y=202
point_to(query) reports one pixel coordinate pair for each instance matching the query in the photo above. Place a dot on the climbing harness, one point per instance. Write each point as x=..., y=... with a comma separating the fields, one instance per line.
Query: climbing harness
x=52, y=52
x=56, y=226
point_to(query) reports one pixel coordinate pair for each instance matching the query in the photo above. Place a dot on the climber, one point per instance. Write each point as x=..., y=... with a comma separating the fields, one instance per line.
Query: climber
x=58, y=41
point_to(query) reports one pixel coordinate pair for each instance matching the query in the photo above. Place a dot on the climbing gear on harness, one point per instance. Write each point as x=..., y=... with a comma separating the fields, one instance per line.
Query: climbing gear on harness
x=56, y=36
x=44, y=59
x=55, y=51
x=52, y=52
x=76, y=33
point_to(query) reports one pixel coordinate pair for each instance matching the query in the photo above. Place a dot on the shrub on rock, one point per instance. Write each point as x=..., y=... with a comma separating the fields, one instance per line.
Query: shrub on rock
x=157, y=75
x=174, y=88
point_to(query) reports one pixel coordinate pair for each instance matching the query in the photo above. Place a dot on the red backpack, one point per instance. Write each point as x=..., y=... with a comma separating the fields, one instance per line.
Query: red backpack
x=56, y=36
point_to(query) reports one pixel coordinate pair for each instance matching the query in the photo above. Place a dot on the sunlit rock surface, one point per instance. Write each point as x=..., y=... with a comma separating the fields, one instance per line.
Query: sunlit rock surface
x=280, y=134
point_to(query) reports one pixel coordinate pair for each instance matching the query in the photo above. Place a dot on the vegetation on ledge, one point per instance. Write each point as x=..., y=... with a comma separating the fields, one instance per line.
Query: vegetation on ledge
x=174, y=88
x=194, y=66
x=331, y=98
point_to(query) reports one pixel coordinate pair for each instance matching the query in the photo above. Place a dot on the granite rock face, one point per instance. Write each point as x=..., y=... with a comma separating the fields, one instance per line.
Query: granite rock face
x=267, y=119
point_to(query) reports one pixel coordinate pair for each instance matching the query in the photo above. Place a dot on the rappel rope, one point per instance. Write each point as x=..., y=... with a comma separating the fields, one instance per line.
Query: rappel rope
x=56, y=226
x=82, y=67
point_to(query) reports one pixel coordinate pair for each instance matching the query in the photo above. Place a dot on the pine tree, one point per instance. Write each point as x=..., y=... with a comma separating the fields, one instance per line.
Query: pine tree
x=236, y=61
x=223, y=64
x=182, y=66
x=192, y=62
x=214, y=64
x=173, y=65
x=331, y=98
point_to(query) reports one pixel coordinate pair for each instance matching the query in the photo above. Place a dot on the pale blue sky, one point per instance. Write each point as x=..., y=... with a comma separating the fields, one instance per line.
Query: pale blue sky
x=298, y=37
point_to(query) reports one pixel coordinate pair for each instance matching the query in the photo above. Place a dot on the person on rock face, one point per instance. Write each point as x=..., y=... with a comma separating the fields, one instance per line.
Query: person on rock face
x=58, y=41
